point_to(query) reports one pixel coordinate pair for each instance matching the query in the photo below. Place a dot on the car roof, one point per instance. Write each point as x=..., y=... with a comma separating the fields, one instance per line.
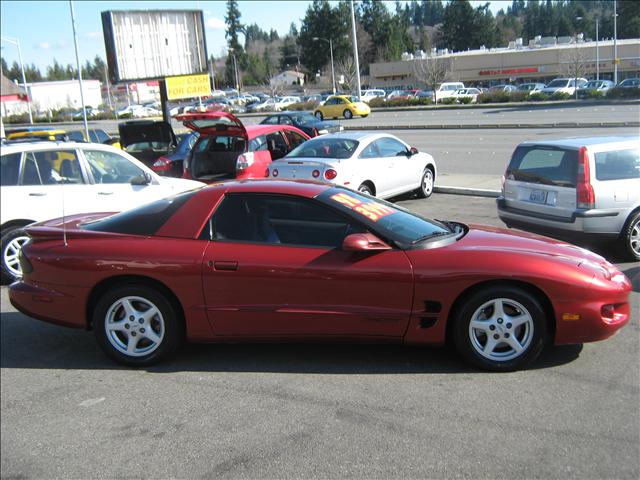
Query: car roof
x=254, y=131
x=582, y=141
x=358, y=135
x=304, y=188
x=49, y=144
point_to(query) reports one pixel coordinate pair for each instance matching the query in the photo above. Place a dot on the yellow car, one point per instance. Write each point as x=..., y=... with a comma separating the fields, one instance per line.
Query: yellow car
x=342, y=106
x=96, y=135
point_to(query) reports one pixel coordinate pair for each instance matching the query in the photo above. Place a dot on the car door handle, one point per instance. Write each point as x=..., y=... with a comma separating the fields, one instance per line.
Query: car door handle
x=224, y=265
x=105, y=193
x=37, y=194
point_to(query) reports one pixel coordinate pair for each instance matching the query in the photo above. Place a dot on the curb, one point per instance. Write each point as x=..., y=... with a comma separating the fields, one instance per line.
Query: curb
x=477, y=126
x=476, y=192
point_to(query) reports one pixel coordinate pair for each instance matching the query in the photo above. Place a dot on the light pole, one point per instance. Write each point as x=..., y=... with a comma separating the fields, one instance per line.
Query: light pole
x=615, y=43
x=235, y=71
x=333, y=73
x=16, y=42
x=355, y=50
x=597, y=53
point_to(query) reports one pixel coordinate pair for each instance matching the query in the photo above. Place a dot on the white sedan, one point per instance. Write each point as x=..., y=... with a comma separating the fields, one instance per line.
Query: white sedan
x=45, y=180
x=379, y=164
x=471, y=93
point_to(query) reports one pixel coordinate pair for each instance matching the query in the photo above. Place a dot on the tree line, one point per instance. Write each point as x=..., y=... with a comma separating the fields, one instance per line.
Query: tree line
x=383, y=34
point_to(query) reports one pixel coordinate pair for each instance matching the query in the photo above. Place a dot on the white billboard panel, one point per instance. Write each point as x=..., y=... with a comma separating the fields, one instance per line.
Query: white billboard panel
x=153, y=44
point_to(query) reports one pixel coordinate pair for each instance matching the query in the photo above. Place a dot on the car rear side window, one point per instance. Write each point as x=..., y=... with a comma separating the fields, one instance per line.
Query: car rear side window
x=544, y=165
x=145, y=220
x=9, y=168
x=618, y=165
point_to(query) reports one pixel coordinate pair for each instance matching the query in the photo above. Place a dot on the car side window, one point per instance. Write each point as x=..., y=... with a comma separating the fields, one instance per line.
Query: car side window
x=618, y=165
x=284, y=120
x=9, y=168
x=279, y=219
x=51, y=168
x=370, y=151
x=76, y=136
x=271, y=120
x=109, y=167
x=258, y=143
x=101, y=135
x=294, y=139
x=390, y=147
x=331, y=101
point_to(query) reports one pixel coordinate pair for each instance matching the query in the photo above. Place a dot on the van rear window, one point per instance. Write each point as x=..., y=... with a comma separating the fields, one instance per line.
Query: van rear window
x=544, y=165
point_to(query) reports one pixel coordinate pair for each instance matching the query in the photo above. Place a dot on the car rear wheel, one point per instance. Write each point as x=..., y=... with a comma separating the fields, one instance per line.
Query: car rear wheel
x=500, y=328
x=630, y=237
x=364, y=188
x=426, y=184
x=347, y=114
x=136, y=325
x=318, y=115
x=12, y=241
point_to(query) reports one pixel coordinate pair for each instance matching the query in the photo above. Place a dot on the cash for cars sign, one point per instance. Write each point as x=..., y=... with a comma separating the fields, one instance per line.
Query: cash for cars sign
x=188, y=86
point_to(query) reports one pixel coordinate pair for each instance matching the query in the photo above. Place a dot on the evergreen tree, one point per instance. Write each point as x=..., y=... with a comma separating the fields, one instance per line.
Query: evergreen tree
x=234, y=29
x=628, y=19
x=458, y=26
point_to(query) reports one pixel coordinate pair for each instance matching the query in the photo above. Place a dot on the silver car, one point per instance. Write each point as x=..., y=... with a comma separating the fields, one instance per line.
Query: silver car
x=576, y=188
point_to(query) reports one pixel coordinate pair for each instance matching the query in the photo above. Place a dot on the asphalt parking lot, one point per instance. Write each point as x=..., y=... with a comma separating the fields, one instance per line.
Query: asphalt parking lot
x=319, y=411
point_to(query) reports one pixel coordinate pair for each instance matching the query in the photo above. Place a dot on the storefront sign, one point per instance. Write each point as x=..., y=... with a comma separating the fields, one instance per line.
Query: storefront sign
x=510, y=71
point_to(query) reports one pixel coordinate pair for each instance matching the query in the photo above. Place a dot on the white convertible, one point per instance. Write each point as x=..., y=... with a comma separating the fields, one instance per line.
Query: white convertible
x=379, y=164
x=44, y=180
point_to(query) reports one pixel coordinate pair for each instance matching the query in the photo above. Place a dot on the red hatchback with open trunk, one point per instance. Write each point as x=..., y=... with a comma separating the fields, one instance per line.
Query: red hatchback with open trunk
x=228, y=149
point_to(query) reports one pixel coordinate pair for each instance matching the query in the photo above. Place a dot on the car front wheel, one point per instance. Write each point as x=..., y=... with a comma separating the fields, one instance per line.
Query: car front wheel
x=500, y=328
x=318, y=115
x=426, y=184
x=136, y=325
x=12, y=241
x=631, y=237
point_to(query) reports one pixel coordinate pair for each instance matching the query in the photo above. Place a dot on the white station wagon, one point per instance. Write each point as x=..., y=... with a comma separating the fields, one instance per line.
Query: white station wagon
x=43, y=180
x=378, y=164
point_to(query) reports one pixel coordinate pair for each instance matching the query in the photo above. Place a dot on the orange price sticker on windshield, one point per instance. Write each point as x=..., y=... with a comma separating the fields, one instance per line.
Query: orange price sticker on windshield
x=373, y=211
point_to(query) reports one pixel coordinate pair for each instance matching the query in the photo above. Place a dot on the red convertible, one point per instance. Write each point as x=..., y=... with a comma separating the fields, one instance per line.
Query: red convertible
x=268, y=260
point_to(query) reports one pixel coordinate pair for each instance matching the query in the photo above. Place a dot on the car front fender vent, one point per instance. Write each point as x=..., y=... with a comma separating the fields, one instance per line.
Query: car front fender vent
x=428, y=322
x=432, y=307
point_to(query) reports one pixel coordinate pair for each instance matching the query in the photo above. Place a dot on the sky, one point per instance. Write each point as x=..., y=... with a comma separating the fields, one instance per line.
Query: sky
x=44, y=29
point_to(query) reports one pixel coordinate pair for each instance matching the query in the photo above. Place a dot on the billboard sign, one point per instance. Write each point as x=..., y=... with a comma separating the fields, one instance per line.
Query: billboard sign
x=153, y=44
x=188, y=86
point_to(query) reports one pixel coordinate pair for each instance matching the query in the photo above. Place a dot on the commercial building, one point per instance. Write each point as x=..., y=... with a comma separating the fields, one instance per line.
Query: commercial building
x=541, y=61
x=50, y=96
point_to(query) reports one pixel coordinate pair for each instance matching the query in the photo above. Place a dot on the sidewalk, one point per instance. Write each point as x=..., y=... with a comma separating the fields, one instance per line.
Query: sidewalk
x=461, y=184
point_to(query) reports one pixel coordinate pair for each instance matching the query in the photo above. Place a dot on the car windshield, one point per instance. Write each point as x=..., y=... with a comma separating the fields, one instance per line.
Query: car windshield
x=405, y=228
x=559, y=82
x=323, y=147
x=303, y=118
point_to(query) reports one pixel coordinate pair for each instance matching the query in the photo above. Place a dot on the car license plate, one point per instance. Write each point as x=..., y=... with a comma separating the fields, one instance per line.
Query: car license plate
x=538, y=196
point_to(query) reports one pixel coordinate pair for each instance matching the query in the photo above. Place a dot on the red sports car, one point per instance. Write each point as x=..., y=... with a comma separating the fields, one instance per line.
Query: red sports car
x=268, y=260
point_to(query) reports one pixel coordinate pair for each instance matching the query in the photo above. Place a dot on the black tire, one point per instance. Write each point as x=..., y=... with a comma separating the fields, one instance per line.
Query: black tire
x=630, y=237
x=364, y=188
x=165, y=324
x=347, y=114
x=425, y=190
x=319, y=115
x=482, y=307
x=364, y=116
x=12, y=239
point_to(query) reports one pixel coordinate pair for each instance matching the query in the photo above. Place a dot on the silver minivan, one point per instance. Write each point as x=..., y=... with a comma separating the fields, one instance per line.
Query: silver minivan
x=575, y=188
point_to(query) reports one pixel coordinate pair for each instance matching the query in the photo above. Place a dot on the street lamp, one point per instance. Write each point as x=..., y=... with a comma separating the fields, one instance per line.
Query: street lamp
x=333, y=73
x=16, y=42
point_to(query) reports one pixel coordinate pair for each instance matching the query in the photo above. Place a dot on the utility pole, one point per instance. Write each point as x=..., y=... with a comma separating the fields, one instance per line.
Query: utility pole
x=615, y=43
x=355, y=49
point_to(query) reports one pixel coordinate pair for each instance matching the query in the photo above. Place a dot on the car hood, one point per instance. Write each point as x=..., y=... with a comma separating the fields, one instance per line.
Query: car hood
x=145, y=131
x=180, y=184
x=492, y=239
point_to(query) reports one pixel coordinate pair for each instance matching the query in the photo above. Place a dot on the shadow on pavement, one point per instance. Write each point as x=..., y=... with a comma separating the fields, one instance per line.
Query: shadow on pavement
x=28, y=343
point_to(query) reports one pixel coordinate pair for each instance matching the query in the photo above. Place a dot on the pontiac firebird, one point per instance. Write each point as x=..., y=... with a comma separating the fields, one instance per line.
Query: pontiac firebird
x=266, y=260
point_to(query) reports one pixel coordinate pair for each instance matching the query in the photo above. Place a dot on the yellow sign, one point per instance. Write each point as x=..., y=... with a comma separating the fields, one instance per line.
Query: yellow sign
x=188, y=86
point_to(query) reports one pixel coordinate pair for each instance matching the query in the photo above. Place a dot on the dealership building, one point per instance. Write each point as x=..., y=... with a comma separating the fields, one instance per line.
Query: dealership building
x=542, y=60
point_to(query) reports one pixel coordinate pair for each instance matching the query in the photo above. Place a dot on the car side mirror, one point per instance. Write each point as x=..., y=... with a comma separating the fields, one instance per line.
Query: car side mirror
x=144, y=179
x=412, y=151
x=363, y=242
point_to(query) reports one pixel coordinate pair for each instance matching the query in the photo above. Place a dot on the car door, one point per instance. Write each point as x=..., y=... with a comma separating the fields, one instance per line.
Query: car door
x=395, y=172
x=330, y=108
x=275, y=268
x=118, y=182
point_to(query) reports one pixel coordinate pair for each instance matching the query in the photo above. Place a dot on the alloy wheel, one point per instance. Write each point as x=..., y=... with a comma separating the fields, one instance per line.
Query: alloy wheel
x=134, y=326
